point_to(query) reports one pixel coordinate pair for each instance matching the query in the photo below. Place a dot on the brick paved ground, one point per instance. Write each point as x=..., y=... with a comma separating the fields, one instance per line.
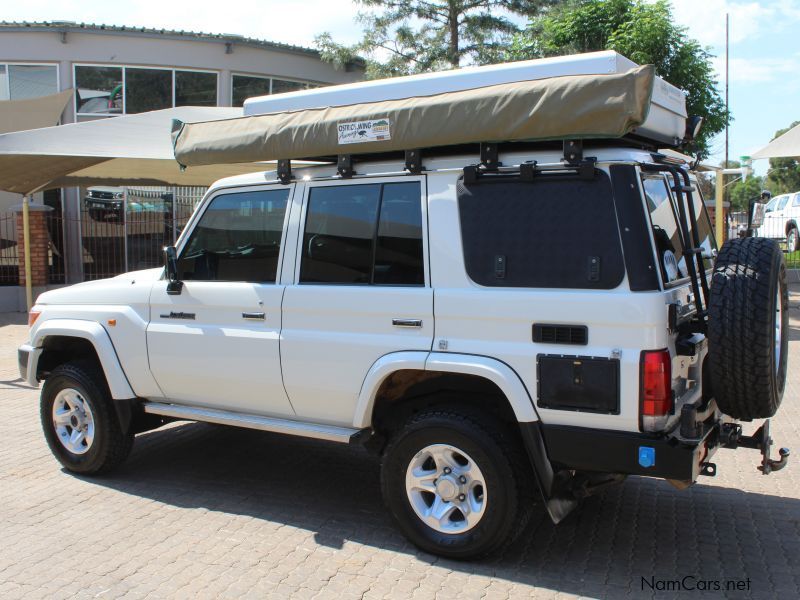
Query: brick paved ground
x=206, y=511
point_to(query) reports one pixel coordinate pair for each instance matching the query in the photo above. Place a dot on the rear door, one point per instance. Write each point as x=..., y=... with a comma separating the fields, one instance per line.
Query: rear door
x=216, y=344
x=360, y=290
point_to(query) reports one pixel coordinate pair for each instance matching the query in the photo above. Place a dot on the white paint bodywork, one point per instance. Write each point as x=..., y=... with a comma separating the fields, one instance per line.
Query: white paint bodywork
x=323, y=351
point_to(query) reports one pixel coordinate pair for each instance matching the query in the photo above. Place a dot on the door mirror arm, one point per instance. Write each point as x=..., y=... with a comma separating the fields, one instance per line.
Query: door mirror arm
x=175, y=285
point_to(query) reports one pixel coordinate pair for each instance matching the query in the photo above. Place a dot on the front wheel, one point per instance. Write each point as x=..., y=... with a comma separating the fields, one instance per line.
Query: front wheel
x=456, y=486
x=79, y=422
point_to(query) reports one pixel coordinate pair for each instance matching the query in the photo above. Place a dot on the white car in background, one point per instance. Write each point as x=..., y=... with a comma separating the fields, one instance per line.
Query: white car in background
x=782, y=215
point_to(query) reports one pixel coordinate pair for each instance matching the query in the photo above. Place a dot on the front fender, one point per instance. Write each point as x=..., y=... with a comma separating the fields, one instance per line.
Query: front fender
x=93, y=332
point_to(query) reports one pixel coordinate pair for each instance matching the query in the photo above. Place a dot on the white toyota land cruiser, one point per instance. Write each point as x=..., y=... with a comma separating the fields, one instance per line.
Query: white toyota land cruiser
x=506, y=324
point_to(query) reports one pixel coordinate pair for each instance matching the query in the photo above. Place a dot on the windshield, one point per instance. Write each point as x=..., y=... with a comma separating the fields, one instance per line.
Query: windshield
x=663, y=210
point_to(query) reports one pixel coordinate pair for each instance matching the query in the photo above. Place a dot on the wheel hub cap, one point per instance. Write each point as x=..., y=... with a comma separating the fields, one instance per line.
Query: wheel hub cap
x=446, y=488
x=73, y=421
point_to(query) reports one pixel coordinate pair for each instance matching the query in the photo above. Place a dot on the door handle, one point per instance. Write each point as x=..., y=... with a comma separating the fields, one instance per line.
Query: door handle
x=407, y=322
x=254, y=316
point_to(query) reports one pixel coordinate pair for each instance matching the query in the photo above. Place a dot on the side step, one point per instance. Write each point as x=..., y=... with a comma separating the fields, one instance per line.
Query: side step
x=331, y=433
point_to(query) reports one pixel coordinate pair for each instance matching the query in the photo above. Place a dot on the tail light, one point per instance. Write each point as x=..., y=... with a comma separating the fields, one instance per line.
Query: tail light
x=32, y=316
x=656, y=391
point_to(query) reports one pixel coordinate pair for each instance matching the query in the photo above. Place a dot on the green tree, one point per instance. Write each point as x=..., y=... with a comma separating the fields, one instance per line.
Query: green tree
x=416, y=36
x=784, y=173
x=741, y=192
x=644, y=32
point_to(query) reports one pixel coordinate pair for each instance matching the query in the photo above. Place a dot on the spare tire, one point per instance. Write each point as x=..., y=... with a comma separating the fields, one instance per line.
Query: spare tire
x=747, y=328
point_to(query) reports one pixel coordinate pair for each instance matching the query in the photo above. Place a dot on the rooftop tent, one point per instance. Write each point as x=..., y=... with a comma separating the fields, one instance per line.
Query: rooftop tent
x=132, y=149
x=609, y=97
x=31, y=113
x=784, y=146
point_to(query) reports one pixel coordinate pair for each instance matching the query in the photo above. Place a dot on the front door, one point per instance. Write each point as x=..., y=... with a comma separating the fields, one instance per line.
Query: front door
x=360, y=290
x=216, y=344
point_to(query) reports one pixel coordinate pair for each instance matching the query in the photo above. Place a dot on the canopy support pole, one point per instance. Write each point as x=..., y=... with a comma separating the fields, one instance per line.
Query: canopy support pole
x=26, y=236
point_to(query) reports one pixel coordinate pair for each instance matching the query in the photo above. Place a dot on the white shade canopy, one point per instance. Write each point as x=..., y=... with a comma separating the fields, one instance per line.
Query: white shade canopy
x=784, y=146
x=30, y=113
x=126, y=150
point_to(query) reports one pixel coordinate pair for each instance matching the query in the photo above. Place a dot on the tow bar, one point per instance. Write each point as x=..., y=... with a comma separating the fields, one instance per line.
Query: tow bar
x=731, y=437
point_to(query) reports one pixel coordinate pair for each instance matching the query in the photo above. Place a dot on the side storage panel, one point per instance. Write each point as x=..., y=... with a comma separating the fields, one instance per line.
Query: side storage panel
x=578, y=383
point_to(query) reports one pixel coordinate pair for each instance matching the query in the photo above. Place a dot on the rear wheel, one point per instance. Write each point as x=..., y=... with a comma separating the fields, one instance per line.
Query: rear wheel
x=457, y=486
x=78, y=420
x=747, y=328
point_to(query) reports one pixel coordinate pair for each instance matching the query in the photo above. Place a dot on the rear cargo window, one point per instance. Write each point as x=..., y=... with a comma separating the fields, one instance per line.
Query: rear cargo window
x=666, y=232
x=559, y=231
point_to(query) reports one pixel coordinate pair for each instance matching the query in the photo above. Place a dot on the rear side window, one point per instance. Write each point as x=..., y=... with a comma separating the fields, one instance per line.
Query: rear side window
x=559, y=231
x=364, y=234
x=664, y=213
x=238, y=238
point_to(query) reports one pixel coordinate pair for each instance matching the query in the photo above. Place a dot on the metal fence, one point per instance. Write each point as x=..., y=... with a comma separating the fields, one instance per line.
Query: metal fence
x=9, y=251
x=129, y=234
x=775, y=226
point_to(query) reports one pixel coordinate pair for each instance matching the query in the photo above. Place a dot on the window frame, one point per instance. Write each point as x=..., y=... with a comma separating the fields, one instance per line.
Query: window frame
x=7, y=64
x=91, y=116
x=188, y=231
x=365, y=180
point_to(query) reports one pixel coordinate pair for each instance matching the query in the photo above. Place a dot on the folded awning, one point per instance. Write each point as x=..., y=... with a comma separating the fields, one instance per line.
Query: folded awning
x=126, y=150
x=568, y=107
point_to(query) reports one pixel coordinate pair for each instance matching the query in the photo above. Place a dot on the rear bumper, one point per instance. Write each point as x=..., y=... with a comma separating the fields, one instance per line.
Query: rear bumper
x=627, y=453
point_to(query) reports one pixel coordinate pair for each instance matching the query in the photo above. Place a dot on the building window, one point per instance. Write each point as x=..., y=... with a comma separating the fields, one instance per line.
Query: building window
x=101, y=89
x=280, y=86
x=250, y=86
x=245, y=87
x=98, y=90
x=147, y=89
x=19, y=82
x=195, y=88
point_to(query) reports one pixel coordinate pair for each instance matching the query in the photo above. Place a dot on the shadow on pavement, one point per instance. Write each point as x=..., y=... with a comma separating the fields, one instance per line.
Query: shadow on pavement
x=642, y=529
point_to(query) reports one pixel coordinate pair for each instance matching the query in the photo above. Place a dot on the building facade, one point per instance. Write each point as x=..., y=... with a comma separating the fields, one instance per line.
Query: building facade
x=121, y=70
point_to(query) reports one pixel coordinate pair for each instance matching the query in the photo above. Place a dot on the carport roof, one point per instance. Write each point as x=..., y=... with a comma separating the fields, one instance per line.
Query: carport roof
x=131, y=149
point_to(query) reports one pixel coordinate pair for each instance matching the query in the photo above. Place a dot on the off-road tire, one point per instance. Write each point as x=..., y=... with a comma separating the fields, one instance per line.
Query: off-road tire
x=111, y=445
x=500, y=456
x=747, y=380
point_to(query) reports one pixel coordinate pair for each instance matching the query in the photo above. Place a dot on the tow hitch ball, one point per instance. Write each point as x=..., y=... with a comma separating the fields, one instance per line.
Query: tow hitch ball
x=731, y=437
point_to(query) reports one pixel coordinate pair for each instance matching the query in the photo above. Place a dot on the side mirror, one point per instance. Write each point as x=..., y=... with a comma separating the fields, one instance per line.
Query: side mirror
x=175, y=285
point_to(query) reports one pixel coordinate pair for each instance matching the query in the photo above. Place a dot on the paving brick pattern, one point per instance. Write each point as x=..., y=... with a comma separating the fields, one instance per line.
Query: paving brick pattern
x=211, y=512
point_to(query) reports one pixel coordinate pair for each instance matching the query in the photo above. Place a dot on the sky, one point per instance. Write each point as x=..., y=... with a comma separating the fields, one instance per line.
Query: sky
x=764, y=53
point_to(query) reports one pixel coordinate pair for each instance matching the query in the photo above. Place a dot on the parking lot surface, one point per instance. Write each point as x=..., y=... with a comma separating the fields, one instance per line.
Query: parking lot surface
x=212, y=512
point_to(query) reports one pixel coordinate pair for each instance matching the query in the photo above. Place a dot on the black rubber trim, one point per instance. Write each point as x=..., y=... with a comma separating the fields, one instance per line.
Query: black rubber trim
x=634, y=229
x=22, y=359
x=605, y=451
x=558, y=502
